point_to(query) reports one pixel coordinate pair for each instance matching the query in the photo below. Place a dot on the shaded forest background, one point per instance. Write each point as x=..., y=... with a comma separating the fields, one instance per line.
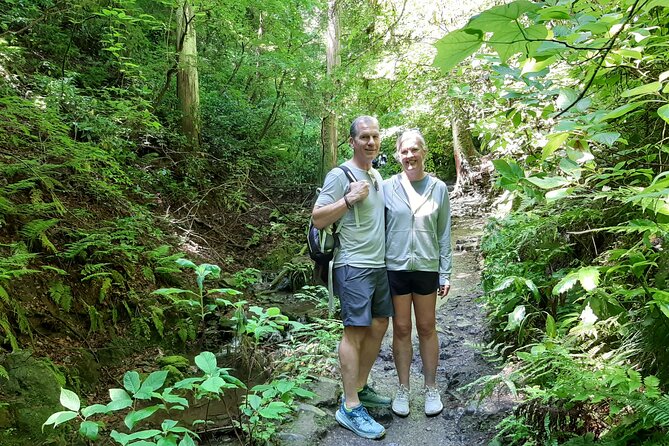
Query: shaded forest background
x=136, y=133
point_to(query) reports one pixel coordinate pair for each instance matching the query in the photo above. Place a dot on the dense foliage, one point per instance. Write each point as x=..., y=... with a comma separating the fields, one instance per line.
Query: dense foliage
x=572, y=101
x=103, y=194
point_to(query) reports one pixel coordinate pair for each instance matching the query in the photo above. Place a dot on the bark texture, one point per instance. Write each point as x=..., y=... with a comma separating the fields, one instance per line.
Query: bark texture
x=187, y=74
x=329, y=122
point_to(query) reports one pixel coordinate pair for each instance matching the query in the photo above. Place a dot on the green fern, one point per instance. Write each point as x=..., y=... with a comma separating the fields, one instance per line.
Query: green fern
x=61, y=294
x=3, y=373
x=36, y=231
x=158, y=318
x=105, y=286
x=656, y=410
x=8, y=333
x=95, y=319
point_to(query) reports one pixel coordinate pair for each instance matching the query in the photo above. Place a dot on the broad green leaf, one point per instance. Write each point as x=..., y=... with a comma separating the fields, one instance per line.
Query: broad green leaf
x=558, y=194
x=515, y=318
x=94, y=410
x=589, y=278
x=154, y=381
x=206, y=361
x=655, y=3
x=554, y=12
x=273, y=311
x=514, y=39
x=551, y=329
x=229, y=291
x=548, y=182
x=143, y=435
x=538, y=350
x=554, y=142
x=119, y=395
x=499, y=18
x=284, y=386
x=89, y=430
x=509, y=169
x=663, y=112
x=167, y=425
x=274, y=410
x=118, y=405
x=622, y=110
x=653, y=87
x=131, y=381
x=213, y=384
x=186, y=263
x=304, y=393
x=455, y=47
x=570, y=168
x=565, y=284
x=579, y=157
x=187, y=441
x=69, y=400
x=533, y=65
x=136, y=416
x=60, y=418
x=254, y=401
x=608, y=138
x=170, y=291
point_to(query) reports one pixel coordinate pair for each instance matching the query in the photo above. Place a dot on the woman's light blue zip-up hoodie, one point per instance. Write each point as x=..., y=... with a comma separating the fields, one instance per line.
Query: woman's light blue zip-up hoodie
x=418, y=240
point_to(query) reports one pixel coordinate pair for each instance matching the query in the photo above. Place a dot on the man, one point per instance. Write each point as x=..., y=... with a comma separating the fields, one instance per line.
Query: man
x=360, y=278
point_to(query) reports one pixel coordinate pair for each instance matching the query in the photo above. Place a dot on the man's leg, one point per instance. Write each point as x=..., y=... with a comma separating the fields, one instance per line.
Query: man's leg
x=350, y=352
x=371, y=345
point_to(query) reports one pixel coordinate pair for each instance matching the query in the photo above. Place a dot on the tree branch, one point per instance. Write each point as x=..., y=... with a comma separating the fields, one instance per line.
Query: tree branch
x=605, y=53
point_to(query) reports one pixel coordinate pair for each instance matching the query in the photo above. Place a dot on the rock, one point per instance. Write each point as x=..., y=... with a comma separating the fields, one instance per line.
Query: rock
x=31, y=395
x=304, y=407
x=327, y=392
x=176, y=361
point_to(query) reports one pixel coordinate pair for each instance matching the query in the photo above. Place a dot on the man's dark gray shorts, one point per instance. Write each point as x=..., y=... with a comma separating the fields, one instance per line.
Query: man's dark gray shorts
x=363, y=293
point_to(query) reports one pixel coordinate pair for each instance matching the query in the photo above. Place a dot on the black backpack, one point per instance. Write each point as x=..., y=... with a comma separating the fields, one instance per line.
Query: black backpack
x=322, y=243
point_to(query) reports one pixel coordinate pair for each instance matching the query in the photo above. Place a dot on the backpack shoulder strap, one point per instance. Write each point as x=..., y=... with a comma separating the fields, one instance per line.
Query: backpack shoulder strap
x=349, y=174
x=351, y=179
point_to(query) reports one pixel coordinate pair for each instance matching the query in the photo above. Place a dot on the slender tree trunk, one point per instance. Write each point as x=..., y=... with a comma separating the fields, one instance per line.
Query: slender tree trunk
x=333, y=59
x=464, y=151
x=187, y=75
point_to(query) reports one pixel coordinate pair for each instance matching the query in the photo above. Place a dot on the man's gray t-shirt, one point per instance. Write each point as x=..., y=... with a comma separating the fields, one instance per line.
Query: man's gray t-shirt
x=361, y=246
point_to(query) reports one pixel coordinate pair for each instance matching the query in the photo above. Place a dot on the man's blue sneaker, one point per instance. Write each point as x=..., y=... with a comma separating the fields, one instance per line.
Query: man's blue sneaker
x=369, y=398
x=359, y=421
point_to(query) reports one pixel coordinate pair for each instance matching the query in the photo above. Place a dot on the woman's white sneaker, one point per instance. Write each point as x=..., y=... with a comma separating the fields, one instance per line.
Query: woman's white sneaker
x=433, y=405
x=401, y=401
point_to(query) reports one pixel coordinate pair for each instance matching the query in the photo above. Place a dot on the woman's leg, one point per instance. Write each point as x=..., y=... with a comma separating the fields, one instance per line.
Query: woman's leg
x=402, y=350
x=424, y=308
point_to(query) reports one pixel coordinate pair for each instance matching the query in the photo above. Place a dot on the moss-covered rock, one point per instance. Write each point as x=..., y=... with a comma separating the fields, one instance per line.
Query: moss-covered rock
x=176, y=361
x=30, y=396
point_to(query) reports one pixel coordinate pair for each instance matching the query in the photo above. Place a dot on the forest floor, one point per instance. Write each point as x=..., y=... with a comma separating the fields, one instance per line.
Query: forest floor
x=461, y=326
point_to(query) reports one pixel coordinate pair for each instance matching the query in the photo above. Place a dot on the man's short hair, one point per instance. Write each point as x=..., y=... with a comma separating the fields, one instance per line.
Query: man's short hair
x=359, y=120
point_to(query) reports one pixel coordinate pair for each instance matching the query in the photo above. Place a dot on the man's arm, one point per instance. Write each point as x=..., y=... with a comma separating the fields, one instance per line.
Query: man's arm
x=326, y=215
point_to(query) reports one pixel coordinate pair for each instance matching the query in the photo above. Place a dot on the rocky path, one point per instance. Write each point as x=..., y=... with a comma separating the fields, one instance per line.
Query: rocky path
x=461, y=324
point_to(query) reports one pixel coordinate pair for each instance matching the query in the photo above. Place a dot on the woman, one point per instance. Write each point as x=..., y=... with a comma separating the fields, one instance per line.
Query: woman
x=418, y=259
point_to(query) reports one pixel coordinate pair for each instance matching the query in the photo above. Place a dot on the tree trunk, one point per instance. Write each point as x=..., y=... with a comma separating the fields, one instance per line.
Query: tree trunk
x=187, y=75
x=333, y=60
x=465, y=153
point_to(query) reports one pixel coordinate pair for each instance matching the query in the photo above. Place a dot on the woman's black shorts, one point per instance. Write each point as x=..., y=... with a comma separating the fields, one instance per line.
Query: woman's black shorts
x=418, y=282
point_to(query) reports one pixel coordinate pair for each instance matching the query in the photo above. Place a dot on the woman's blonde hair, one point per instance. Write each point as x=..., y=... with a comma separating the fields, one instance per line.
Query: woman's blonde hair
x=410, y=135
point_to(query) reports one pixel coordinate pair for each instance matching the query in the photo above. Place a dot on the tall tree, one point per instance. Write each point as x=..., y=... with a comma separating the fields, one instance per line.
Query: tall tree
x=464, y=152
x=333, y=60
x=187, y=74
